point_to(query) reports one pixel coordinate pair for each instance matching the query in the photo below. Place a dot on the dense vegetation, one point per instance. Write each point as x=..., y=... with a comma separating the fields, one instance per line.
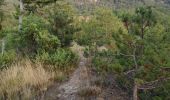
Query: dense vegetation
x=133, y=44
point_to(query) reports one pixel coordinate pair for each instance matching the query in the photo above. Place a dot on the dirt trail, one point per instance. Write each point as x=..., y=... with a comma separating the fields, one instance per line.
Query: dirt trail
x=78, y=80
x=81, y=78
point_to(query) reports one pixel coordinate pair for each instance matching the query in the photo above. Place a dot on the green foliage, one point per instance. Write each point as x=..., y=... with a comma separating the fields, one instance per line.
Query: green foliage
x=142, y=44
x=61, y=58
x=37, y=41
x=62, y=19
x=101, y=28
x=7, y=45
x=145, y=14
x=7, y=59
x=135, y=40
x=1, y=14
x=146, y=41
x=35, y=36
x=124, y=83
x=33, y=5
x=106, y=62
x=38, y=1
x=160, y=93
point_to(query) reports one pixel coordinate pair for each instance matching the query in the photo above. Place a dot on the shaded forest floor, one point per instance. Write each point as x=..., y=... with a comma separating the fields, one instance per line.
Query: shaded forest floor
x=86, y=84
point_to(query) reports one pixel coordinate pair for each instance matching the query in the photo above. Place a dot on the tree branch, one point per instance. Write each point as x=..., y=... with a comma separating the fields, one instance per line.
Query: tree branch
x=125, y=55
x=130, y=71
x=153, y=84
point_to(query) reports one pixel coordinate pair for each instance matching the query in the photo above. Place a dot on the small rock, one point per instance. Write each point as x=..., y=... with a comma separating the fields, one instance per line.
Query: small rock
x=59, y=95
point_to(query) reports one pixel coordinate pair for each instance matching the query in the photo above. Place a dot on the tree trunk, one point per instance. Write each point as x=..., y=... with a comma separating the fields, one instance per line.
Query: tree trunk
x=21, y=14
x=135, y=91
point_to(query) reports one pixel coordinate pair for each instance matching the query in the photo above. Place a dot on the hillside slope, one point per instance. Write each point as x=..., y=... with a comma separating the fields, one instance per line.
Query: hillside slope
x=86, y=84
x=88, y=5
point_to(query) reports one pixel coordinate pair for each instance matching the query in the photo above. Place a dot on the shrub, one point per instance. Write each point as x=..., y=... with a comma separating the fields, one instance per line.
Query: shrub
x=7, y=59
x=62, y=20
x=106, y=62
x=124, y=83
x=35, y=36
x=101, y=28
x=61, y=58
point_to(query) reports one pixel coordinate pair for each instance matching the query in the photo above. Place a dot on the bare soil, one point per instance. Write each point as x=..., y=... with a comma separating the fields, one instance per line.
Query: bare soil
x=85, y=78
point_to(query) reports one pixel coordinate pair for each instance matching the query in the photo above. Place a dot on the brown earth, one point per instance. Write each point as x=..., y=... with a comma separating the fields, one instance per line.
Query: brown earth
x=86, y=84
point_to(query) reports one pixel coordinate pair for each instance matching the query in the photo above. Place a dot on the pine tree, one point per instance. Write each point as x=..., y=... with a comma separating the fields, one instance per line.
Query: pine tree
x=143, y=45
x=62, y=20
x=31, y=6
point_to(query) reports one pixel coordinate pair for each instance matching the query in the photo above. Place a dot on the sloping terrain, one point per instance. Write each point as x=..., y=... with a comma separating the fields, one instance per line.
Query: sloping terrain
x=83, y=85
x=69, y=89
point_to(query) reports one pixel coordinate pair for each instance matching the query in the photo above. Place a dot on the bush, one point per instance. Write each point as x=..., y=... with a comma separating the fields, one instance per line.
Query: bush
x=106, y=62
x=35, y=36
x=124, y=83
x=61, y=58
x=101, y=28
x=7, y=59
x=62, y=20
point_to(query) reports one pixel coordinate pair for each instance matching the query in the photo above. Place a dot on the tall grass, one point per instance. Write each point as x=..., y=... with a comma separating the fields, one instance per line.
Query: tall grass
x=23, y=81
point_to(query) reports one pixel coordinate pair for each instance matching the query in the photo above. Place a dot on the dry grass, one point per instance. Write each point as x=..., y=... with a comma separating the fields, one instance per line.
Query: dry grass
x=24, y=78
x=90, y=91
